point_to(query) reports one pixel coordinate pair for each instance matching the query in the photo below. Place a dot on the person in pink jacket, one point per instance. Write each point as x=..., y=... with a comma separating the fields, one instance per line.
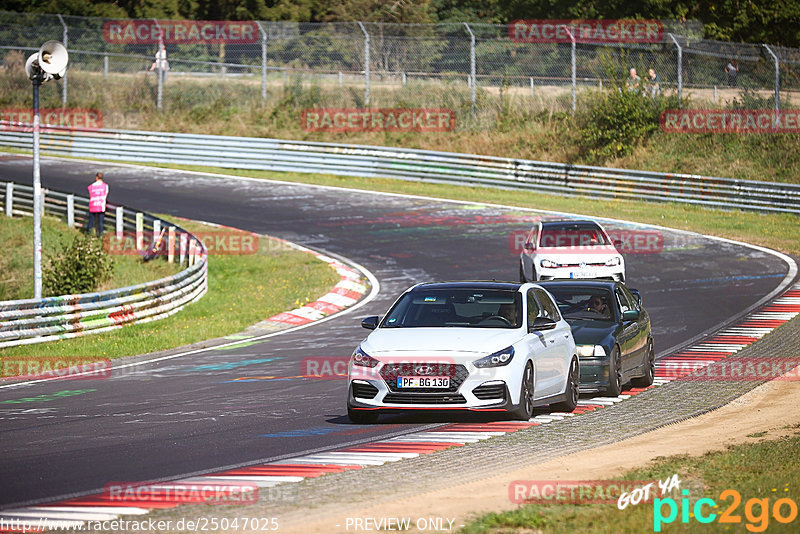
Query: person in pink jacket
x=98, y=192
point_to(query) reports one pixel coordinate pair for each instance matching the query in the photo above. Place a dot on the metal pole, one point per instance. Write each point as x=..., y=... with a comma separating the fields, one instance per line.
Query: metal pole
x=366, y=63
x=64, y=78
x=263, y=63
x=777, y=82
x=572, y=54
x=71, y=211
x=9, y=198
x=105, y=67
x=472, y=64
x=159, y=70
x=37, y=193
x=680, y=70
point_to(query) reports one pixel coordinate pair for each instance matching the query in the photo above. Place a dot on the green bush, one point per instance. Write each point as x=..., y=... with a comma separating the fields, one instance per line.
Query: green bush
x=615, y=121
x=80, y=268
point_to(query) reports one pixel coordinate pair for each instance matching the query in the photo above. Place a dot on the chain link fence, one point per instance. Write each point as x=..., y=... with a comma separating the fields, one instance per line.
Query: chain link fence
x=371, y=65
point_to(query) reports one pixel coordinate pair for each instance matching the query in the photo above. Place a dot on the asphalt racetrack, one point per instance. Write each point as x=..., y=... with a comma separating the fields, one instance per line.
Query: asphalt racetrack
x=190, y=415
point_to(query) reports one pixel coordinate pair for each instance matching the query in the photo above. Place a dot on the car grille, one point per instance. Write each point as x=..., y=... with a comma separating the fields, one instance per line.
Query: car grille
x=490, y=391
x=423, y=398
x=364, y=391
x=456, y=373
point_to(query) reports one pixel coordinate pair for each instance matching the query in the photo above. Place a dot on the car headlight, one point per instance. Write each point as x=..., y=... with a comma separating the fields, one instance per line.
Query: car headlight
x=587, y=351
x=613, y=261
x=548, y=264
x=498, y=359
x=363, y=359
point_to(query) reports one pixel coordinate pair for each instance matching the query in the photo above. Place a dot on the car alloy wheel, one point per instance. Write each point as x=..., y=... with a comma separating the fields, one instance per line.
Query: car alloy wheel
x=614, y=374
x=573, y=389
x=525, y=409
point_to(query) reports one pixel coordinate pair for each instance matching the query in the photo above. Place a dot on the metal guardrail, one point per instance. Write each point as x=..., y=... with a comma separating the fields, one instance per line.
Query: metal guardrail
x=411, y=164
x=31, y=321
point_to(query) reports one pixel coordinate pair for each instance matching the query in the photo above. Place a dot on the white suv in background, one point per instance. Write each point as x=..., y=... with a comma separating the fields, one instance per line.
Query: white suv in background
x=570, y=249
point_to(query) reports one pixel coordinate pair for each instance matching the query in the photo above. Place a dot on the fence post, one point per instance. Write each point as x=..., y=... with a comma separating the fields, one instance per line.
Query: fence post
x=183, y=250
x=9, y=198
x=366, y=63
x=263, y=63
x=71, y=211
x=159, y=70
x=573, y=66
x=64, y=78
x=680, y=70
x=472, y=73
x=120, y=222
x=156, y=230
x=531, y=85
x=171, y=245
x=139, y=231
x=777, y=83
x=105, y=67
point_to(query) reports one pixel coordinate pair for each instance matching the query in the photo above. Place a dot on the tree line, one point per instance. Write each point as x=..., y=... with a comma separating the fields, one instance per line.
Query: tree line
x=749, y=21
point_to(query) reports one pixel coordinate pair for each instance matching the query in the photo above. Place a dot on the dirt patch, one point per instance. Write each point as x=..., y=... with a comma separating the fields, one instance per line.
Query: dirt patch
x=770, y=408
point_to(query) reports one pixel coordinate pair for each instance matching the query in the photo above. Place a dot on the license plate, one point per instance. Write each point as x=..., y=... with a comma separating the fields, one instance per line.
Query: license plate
x=442, y=382
x=583, y=274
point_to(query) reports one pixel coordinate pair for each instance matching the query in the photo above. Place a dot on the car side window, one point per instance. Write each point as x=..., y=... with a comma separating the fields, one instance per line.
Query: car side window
x=631, y=298
x=622, y=300
x=532, y=236
x=533, y=307
x=548, y=306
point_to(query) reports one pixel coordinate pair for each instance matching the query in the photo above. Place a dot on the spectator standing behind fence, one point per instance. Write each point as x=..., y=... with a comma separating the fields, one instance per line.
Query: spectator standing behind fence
x=653, y=83
x=161, y=65
x=732, y=70
x=98, y=192
x=634, y=82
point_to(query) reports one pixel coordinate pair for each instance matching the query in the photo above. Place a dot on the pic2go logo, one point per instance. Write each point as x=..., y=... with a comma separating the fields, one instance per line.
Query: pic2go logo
x=756, y=511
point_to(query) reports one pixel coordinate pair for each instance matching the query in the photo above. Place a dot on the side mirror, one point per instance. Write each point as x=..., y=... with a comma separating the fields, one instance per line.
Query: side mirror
x=542, y=323
x=635, y=293
x=529, y=245
x=370, y=323
x=630, y=315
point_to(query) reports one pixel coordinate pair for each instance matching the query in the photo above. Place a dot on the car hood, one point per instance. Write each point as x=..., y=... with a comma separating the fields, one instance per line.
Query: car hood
x=579, y=254
x=589, y=332
x=433, y=341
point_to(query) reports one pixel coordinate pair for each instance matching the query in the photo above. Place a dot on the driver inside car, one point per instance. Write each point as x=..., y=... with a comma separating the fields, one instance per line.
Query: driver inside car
x=509, y=311
x=599, y=305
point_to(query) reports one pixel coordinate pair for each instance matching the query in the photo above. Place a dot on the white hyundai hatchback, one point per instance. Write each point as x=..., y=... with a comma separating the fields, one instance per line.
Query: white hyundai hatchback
x=480, y=346
x=570, y=249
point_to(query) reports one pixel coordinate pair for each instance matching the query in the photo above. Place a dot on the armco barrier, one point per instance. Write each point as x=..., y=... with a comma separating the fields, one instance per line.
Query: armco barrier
x=410, y=164
x=30, y=321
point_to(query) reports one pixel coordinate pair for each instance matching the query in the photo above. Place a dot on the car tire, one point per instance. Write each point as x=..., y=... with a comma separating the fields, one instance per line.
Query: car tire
x=614, y=374
x=525, y=409
x=650, y=370
x=362, y=417
x=572, y=390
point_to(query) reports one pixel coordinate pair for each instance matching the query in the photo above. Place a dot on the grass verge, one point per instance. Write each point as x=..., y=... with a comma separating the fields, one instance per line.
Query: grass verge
x=242, y=290
x=16, y=264
x=762, y=473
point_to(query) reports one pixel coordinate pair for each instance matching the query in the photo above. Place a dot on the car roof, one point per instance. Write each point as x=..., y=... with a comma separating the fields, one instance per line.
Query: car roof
x=474, y=284
x=574, y=223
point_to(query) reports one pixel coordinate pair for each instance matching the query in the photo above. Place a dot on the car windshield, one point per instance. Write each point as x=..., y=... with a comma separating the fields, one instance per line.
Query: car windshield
x=573, y=236
x=594, y=304
x=472, y=308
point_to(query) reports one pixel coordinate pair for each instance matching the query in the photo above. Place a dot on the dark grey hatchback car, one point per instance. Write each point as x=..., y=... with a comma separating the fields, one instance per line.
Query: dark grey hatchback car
x=612, y=333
